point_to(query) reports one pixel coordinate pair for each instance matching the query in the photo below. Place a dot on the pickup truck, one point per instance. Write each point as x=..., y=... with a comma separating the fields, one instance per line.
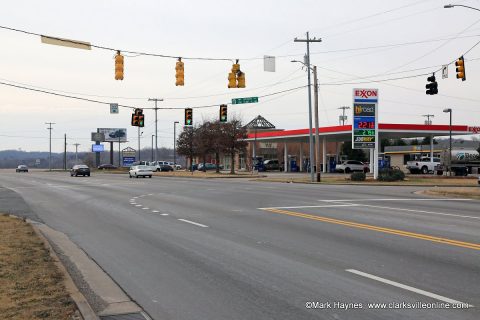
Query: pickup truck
x=424, y=165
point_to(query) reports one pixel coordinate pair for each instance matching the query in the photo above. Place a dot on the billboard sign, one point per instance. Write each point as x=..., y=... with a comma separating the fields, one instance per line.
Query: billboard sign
x=114, y=134
x=365, y=118
x=98, y=148
x=97, y=136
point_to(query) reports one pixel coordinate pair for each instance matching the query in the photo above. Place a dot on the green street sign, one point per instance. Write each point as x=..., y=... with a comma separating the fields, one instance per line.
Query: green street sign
x=244, y=100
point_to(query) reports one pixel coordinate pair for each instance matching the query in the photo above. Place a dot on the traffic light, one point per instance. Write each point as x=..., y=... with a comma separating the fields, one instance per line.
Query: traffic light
x=236, y=78
x=118, y=66
x=223, y=113
x=460, y=64
x=432, y=87
x=179, y=73
x=188, y=117
x=240, y=79
x=138, y=119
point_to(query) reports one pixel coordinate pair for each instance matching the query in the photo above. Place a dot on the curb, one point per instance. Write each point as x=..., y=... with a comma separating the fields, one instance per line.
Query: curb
x=79, y=299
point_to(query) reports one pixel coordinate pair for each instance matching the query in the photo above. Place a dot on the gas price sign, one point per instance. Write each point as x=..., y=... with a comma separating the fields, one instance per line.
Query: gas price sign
x=365, y=115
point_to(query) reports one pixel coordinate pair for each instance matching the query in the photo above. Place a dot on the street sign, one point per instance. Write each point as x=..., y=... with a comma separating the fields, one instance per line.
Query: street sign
x=127, y=161
x=244, y=100
x=445, y=71
x=113, y=107
x=98, y=148
x=365, y=119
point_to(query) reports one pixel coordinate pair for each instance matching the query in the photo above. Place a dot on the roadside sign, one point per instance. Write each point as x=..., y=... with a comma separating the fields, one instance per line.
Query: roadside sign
x=98, y=148
x=365, y=119
x=127, y=161
x=445, y=71
x=244, y=100
x=98, y=136
x=37, y=162
x=113, y=107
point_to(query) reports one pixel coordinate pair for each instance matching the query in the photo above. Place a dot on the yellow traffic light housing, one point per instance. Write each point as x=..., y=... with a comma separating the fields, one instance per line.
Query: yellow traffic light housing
x=179, y=73
x=232, y=80
x=118, y=66
x=223, y=113
x=240, y=79
x=460, y=64
x=188, y=117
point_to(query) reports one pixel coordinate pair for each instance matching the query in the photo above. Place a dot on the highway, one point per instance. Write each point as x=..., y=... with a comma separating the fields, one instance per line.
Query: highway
x=236, y=249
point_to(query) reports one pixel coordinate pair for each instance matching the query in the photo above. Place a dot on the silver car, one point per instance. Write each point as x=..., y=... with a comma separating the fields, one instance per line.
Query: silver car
x=140, y=171
x=350, y=166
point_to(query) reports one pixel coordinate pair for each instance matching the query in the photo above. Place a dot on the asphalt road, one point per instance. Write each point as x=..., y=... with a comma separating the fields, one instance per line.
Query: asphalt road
x=234, y=249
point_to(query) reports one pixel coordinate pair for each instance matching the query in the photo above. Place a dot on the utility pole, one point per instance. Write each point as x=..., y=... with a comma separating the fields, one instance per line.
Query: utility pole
x=156, y=125
x=307, y=62
x=152, y=146
x=139, y=158
x=50, y=145
x=428, y=116
x=76, y=151
x=317, y=134
x=175, y=145
x=344, y=117
x=65, y=154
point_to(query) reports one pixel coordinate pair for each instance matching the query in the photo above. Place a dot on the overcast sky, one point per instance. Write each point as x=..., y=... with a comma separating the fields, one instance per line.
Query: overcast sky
x=246, y=30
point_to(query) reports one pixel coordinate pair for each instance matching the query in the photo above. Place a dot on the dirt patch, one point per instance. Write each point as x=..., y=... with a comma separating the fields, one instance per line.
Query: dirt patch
x=473, y=193
x=31, y=287
x=208, y=174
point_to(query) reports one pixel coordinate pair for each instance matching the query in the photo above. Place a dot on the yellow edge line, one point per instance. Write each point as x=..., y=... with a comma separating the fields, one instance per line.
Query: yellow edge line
x=457, y=243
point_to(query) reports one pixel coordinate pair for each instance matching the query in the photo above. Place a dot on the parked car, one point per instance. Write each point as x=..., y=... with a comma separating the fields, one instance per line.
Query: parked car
x=176, y=166
x=424, y=165
x=107, y=166
x=208, y=166
x=271, y=164
x=161, y=166
x=22, y=168
x=140, y=171
x=80, y=170
x=350, y=165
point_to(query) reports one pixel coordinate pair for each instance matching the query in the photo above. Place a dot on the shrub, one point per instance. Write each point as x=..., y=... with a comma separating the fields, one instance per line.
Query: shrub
x=358, y=176
x=391, y=175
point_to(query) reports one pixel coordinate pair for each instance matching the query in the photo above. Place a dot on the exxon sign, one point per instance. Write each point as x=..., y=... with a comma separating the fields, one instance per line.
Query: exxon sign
x=365, y=95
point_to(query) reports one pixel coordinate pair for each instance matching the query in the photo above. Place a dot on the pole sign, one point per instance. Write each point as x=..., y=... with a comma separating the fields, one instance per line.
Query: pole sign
x=365, y=118
x=113, y=108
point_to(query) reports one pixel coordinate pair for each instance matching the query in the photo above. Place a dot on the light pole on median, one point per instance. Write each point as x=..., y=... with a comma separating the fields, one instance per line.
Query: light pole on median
x=175, y=145
x=449, y=110
x=152, y=146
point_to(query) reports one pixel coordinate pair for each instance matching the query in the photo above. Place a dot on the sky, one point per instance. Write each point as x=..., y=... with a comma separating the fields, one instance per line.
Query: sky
x=390, y=45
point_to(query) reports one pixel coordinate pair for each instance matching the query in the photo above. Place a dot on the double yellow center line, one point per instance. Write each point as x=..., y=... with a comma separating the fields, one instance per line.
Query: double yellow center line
x=474, y=246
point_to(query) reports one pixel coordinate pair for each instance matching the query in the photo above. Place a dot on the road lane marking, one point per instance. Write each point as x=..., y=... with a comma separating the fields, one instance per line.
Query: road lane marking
x=409, y=288
x=420, y=211
x=398, y=199
x=164, y=214
x=145, y=208
x=150, y=194
x=325, y=206
x=138, y=205
x=403, y=233
x=155, y=211
x=195, y=223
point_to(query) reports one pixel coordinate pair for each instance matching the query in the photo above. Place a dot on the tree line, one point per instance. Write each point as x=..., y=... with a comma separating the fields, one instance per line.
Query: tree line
x=213, y=137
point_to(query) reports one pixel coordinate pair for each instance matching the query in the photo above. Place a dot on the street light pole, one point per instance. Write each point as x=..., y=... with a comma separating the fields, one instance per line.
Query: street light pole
x=76, y=151
x=308, y=40
x=152, y=146
x=50, y=145
x=175, y=145
x=449, y=110
x=156, y=125
x=139, y=156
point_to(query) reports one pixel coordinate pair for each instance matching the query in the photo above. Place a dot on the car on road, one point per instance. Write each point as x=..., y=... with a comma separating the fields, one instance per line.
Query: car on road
x=80, y=170
x=140, y=171
x=208, y=166
x=22, y=168
x=161, y=166
x=348, y=166
x=107, y=166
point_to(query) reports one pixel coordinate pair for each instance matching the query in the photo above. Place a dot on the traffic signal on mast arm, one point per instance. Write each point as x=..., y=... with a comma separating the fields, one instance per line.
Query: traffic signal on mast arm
x=432, y=87
x=460, y=64
x=179, y=73
x=188, y=117
x=223, y=113
x=141, y=118
x=118, y=66
x=236, y=78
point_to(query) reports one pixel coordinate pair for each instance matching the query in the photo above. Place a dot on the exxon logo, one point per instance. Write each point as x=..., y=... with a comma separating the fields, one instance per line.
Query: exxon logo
x=365, y=93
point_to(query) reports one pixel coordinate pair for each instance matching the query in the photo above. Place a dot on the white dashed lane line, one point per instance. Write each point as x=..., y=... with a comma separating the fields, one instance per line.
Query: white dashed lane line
x=194, y=223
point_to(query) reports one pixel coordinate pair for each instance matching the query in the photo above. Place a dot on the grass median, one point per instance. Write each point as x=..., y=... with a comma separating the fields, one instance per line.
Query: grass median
x=31, y=286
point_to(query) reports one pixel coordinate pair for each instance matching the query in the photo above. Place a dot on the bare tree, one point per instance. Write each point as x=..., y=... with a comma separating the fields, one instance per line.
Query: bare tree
x=233, y=140
x=187, y=143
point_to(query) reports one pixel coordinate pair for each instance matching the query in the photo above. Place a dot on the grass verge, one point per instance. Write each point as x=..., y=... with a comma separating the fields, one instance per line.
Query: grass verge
x=473, y=193
x=31, y=286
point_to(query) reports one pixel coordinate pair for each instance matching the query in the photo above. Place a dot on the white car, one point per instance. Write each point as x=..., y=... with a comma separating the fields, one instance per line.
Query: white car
x=176, y=166
x=350, y=166
x=140, y=171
